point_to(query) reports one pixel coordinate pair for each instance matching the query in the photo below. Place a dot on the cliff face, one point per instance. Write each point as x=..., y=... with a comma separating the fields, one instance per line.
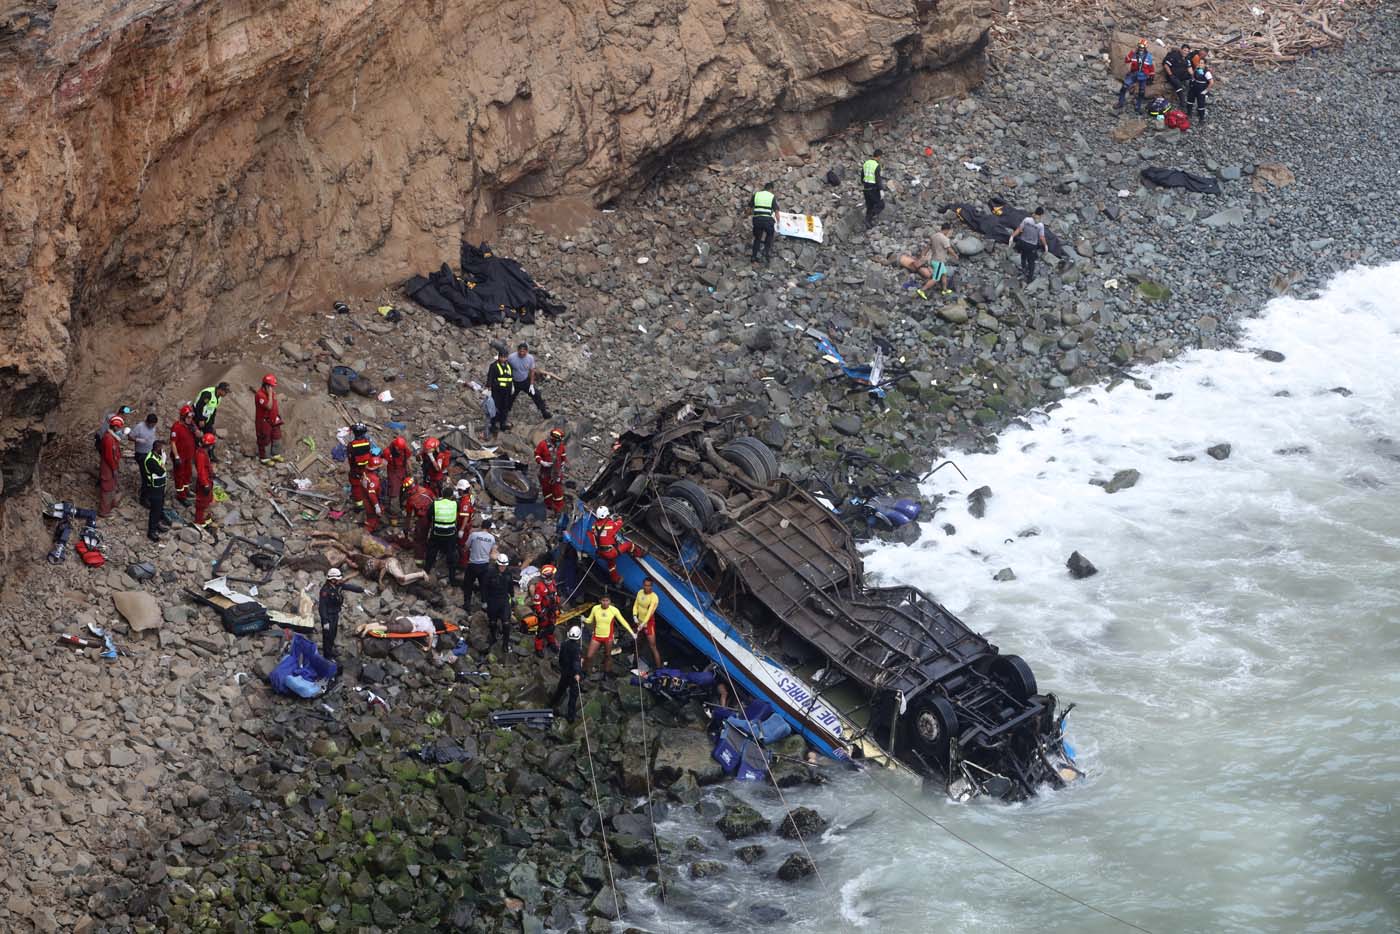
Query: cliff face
x=174, y=170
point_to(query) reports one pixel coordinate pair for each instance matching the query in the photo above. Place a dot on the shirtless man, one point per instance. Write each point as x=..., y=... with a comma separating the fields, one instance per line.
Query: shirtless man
x=932, y=264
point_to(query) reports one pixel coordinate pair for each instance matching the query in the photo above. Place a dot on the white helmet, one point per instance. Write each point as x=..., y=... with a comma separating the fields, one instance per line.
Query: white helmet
x=463, y=486
x=503, y=559
x=603, y=512
x=575, y=633
x=333, y=574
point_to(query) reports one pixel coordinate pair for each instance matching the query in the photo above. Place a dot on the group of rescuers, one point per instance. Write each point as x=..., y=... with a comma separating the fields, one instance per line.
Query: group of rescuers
x=437, y=516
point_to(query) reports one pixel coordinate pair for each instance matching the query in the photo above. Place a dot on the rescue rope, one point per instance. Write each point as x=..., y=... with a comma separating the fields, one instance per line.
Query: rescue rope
x=598, y=807
x=999, y=861
x=646, y=770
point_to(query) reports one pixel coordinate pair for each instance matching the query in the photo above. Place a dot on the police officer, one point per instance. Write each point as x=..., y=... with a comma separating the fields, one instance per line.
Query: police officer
x=570, y=671
x=764, y=211
x=497, y=585
x=153, y=489
x=206, y=407
x=480, y=543
x=872, y=185
x=1178, y=69
x=1197, y=89
x=328, y=604
x=442, y=537
x=500, y=379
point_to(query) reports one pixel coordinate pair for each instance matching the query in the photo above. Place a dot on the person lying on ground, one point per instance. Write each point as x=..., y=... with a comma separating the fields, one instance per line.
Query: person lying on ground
x=919, y=266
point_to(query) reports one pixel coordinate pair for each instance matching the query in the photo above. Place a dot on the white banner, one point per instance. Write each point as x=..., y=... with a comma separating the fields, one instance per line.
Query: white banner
x=805, y=226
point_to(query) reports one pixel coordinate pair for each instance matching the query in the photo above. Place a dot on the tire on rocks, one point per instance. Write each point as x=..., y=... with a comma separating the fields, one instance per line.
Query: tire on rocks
x=698, y=498
x=753, y=457
x=511, y=487
x=673, y=518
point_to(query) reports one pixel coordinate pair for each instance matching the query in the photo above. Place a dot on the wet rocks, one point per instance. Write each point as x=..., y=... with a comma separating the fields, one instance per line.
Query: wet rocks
x=740, y=821
x=977, y=502
x=802, y=823
x=1004, y=575
x=796, y=867
x=704, y=868
x=1219, y=451
x=751, y=853
x=1272, y=356
x=1121, y=480
x=1080, y=567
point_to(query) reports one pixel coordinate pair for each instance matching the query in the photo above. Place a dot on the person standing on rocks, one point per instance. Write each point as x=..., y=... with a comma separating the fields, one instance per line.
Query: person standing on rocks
x=182, y=444
x=940, y=246
x=442, y=537
x=1198, y=89
x=109, y=449
x=501, y=381
x=497, y=586
x=466, y=516
x=153, y=490
x=763, y=209
x=872, y=185
x=143, y=436
x=435, y=463
x=267, y=421
x=1029, y=240
x=418, y=504
x=357, y=454
x=396, y=457
x=204, y=479
x=1178, y=69
x=644, y=617
x=206, y=407
x=570, y=672
x=523, y=371
x=544, y=600
x=480, y=544
x=551, y=457
x=373, y=487
x=328, y=605
x=601, y=620
x=1140, y=69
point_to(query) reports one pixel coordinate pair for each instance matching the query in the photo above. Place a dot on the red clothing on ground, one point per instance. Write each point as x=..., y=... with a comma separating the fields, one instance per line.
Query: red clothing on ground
x=203, y=485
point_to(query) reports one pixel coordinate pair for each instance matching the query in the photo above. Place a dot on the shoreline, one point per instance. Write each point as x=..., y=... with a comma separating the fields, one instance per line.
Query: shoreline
x=970, y=380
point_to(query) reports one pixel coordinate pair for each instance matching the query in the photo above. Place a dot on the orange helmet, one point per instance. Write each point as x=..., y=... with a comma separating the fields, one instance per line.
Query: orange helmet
x=269, y=380
x=557, y=434
x=547, y=570
x=115, y=422
x=186, y=409
x=209, y=439
x=431, y=444
x=399, y=444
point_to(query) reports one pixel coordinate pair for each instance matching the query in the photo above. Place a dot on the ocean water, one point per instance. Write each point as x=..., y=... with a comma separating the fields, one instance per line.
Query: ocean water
x=1235, y=663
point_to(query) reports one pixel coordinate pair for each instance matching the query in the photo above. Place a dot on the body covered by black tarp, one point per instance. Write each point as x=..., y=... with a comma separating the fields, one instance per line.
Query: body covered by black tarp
x=1175, y=178
x=490, y=289
x=1000, y=226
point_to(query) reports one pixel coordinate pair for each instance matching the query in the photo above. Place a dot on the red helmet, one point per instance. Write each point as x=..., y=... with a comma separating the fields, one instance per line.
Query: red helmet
x=115, y=422
x=186, y=409
x=209, y=439
x=547, y=570
x=269, y=380
x=399, y=444
x=431, y=444
x=557, y=434
x=375, y=463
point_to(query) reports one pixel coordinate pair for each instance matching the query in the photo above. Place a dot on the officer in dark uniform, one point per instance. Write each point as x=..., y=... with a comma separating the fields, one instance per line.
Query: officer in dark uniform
x=442, y=537
x=328, y=604
x=570, y=672
x=871, y=184
x=1178, y=68
x=153, y=489
x=764, y=211
x=501, y=381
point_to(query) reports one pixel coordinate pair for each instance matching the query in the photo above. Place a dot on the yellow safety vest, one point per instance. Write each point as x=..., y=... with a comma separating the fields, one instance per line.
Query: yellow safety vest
x=763, y=204
x=210, y=404
x=504, y=378
x=868, y=171
x=445, y=517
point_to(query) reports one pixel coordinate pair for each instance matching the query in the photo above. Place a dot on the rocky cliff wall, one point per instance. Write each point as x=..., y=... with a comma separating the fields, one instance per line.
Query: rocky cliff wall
x=174, y=171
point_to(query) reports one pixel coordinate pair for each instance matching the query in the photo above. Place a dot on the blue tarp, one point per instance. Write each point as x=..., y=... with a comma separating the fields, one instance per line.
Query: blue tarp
x=302, y=672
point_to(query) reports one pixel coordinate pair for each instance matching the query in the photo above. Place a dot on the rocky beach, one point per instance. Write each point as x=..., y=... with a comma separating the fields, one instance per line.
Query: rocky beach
x=170, y=789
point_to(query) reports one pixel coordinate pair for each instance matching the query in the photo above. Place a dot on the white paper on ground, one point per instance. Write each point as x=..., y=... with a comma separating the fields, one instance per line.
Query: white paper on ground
x=803, y=226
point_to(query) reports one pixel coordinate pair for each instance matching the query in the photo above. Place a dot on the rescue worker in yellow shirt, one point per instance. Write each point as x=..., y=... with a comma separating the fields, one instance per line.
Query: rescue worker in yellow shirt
x=644, y=618
x=601, y=618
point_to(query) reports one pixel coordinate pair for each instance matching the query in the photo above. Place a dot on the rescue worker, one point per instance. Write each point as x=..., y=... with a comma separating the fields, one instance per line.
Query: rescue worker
x=206, y=407
x=110, y=458
x=153, y=490
x=143, y=437
x=544, y=600
x=1178, y=69
x=442, y=537
x=764, y=212
x=501, y=382
x=523, y=371
x=601, y=620
x=466, y=516
x=357, y=454
x=1198, y=89
x=435, y=463
x=872, y=185
x=644, y=618
x=267, y=421
x=373, y=486
x=551, y=457
x=605, y=535
x=418, y=505
x=182, y=445
x=570, y=672
x=480, y=544
x=497, y=586
x=1029, y=240
x=204, y=479
x=328, y=604
x=396, y=457
x=1140, y=69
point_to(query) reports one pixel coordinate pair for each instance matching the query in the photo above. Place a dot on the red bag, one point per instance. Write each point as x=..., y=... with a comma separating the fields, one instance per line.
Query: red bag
x=1177, y=120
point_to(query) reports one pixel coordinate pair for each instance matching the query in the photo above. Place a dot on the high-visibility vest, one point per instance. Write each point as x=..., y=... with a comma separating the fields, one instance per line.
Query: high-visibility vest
x=445, y=517
x=206, y=403
x=153, y=471
x=868, y=170
x=763, y=204
x=504, y=378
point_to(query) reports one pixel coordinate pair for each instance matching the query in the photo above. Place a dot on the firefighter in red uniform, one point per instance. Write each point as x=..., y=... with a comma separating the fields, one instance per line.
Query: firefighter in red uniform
x=203, y=480
x=358, y=453
x=419, y=504
x=544, y=600
x=605, y=535
x=466, y=515
x=373, y=485
x=110, y=447
x=182, y=445
x=397, y=458
x=267, y=421
x=552, y=458
x=435, y=463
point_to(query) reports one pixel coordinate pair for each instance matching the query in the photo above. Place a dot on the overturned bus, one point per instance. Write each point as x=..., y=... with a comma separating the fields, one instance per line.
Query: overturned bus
x=759, y=577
